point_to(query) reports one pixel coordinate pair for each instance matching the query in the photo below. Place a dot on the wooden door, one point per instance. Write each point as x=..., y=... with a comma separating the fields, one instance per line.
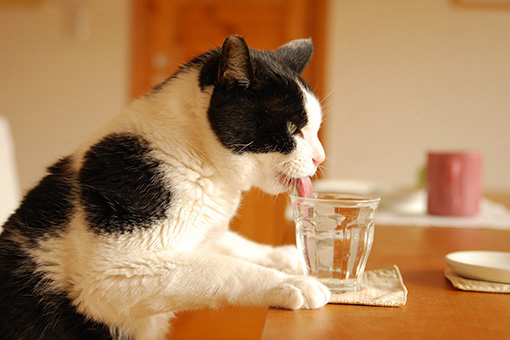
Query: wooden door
x=168, y=33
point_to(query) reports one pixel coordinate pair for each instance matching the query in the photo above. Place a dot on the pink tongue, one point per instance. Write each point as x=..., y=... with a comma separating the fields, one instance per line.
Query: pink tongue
x=304, y=187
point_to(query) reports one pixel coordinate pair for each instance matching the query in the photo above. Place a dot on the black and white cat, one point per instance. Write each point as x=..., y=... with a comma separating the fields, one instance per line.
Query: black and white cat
x=133, y=226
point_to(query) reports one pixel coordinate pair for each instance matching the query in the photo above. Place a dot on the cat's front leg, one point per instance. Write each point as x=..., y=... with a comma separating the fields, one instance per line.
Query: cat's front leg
x=217, y=280
x=176, y=281
x=284, y=258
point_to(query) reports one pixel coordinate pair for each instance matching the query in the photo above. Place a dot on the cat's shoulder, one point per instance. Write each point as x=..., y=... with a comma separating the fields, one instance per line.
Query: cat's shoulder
x=122, y=185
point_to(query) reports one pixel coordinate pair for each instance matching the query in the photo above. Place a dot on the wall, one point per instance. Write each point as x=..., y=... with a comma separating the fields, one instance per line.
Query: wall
x=58, y=83
x=405, y=77
x=411, y=76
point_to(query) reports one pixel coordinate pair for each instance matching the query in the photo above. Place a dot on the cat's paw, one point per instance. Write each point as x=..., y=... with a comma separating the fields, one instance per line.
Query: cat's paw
x=301, y=292
x=285, y=259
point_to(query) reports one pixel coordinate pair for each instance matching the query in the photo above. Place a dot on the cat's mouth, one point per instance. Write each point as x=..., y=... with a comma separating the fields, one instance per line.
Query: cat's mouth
x=303, y=185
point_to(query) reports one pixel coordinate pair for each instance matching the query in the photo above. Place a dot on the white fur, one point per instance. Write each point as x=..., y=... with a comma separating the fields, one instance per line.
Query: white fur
x=135, y=282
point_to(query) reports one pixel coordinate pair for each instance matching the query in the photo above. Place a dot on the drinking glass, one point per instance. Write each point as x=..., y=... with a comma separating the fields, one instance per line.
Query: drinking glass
x=334, y=235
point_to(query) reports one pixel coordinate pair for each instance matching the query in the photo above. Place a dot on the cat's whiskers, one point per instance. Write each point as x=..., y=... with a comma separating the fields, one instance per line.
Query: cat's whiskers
x=320, y=171
x=244, y=146
x=332, y=161
x=329, y=103
x=282, y=176
x=324, y=169
x=325, y=97
x=330, y=107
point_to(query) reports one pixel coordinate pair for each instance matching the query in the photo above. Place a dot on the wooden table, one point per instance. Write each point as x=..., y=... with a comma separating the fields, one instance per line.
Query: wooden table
x=434, y=309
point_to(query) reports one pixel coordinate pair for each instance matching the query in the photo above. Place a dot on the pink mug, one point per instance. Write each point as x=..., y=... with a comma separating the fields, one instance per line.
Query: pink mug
x=454, y=183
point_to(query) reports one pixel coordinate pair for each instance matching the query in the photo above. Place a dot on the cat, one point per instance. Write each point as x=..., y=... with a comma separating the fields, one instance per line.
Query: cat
x=133, y=226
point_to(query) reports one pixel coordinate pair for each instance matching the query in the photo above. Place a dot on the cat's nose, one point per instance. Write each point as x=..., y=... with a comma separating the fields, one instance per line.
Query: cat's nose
x=318, y=160
x=318, y=155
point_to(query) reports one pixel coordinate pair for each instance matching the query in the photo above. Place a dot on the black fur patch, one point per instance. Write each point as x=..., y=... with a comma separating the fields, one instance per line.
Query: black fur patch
x=120, y=185
x=48, y=207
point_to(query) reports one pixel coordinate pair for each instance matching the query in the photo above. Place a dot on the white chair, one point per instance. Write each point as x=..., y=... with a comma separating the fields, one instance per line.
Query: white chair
x=9, y=184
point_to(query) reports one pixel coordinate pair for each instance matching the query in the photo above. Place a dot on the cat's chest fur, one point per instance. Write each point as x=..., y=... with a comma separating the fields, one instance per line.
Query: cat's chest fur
x=202, y=208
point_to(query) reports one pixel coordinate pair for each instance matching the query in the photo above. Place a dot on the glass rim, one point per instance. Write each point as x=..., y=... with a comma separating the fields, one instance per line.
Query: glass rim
x=339, y=198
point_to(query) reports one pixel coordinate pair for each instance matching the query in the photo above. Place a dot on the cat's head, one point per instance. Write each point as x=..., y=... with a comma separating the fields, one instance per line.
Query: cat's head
x=263, y=112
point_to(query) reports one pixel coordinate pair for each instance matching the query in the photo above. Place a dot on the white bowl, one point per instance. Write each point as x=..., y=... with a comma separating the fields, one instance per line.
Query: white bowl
x=481, y=265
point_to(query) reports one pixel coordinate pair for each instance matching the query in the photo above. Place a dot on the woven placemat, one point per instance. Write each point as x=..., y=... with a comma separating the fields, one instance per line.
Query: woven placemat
x=472, y=285
x=380, y=287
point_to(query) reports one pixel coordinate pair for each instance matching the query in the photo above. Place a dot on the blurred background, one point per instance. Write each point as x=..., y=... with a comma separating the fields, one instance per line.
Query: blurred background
x=398, y=78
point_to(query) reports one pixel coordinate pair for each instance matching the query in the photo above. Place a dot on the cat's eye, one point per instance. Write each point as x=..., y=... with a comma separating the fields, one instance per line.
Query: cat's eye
x=292, y=128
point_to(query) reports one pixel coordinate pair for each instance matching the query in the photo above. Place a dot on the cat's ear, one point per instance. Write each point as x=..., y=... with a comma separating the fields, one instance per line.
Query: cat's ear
x=235, y=65
x=296, y=54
